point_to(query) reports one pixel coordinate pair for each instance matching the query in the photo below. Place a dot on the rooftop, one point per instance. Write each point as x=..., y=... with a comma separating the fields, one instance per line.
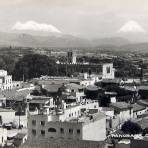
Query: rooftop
x=143, y=102
x=111, y=81
x=52, y=88
x=92, y=88
x=137, y=107
x=61, y=143
x=6, y=110
x=39, y=101
x=107, y=109
x=92, y=117
x=143, y=123
x=74, y=86
x=15, y=94
x=120, y=105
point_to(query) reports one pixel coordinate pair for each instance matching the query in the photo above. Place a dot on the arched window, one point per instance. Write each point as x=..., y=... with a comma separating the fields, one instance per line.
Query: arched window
x=51, y=130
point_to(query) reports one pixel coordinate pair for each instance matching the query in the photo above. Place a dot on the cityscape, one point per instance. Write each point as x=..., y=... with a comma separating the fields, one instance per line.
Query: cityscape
x=73, y=74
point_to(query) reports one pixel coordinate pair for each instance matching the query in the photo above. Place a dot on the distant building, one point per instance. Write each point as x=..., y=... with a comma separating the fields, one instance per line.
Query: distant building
x=138, y=110
x=5, y=80
x=3, y=136
x=2, y=100
x=108, y=72
x=123, y=111
x=71, y=57
x=6, y=115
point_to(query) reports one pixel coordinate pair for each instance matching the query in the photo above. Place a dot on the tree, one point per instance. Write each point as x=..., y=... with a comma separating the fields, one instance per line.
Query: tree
x=104, y=101
x=34, y=65
x=130, y=127
x=145, y=131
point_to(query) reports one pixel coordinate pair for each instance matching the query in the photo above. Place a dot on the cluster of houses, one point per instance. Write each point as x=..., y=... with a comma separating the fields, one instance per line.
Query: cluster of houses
x=67, y=109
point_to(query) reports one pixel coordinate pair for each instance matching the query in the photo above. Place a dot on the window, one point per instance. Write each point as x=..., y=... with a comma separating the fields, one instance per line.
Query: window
x=33, y=122
x=42, y=123
x=62, y=130
x=70, y=131
x=34, y=132
x=52, y=130
x=108, y=69
x=42, y=132
x=78, y=112
x=78, y=131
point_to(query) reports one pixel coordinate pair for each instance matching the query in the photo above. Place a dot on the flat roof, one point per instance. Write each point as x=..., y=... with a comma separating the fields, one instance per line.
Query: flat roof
x=92, y=87
x=6, y=110
x=92, y=117
x=120, y=105
x=61, y=143
x=39, y=101
x=53, y=88
x=111, y=81
x=74, y=86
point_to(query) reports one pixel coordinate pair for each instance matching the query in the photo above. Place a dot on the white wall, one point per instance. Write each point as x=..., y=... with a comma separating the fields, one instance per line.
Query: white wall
x=95, y=131
x=7, y=116
x=3, y=136
x=106, y=74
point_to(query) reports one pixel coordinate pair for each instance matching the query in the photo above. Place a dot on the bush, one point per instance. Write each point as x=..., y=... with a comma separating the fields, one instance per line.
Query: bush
x=130, y=127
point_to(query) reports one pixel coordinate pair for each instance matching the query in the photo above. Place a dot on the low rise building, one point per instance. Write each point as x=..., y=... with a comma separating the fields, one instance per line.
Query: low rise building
x=3, y=136
x=6, y=115
x=108, y=72
x=122, y=110
x=138, y=110
x=68, y=123
x=5, y=80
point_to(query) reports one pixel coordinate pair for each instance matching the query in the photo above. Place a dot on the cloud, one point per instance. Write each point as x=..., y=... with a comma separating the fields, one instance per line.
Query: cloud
x=34, y=26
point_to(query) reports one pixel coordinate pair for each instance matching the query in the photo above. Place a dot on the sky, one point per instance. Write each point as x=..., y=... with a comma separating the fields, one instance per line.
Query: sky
x=84, y=18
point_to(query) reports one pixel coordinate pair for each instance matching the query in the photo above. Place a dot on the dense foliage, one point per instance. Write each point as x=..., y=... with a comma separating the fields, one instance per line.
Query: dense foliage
x=7, y=62
x=130, y=127
x=33, y=65
x=104, y=100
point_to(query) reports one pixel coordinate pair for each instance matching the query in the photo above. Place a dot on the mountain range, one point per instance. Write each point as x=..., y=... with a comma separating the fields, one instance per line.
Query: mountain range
x=54, y=40
x=69, y=41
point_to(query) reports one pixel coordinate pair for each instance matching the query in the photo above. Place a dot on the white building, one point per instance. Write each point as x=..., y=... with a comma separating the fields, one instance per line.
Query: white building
x=5, y=80
x=123, y=111
x=71, y=57
x=108, y=72
x=70, y=123
x=75, y=90
x=7, y=115
x=3, y=136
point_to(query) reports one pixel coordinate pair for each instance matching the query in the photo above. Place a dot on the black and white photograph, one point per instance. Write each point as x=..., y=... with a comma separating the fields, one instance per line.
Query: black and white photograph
x=73, y=73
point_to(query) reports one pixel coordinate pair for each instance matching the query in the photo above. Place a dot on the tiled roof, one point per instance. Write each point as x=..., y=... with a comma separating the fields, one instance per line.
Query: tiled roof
x=16, y=95
x=120, y=105
x=137, y=107
x=143, y=123
x=143, y=102
x=52, y=88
